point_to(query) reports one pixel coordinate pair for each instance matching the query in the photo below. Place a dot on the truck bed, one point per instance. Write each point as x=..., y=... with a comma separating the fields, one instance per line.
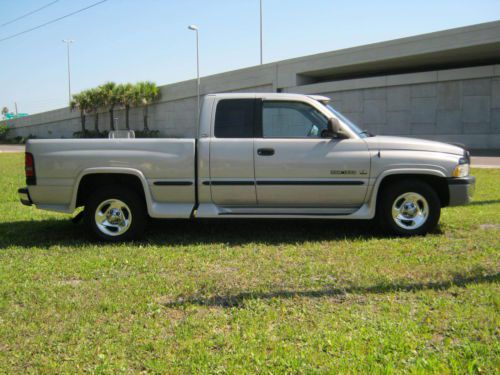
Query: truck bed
x=165, y=166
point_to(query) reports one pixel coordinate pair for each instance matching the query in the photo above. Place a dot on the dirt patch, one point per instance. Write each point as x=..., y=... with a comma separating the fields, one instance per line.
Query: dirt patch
x=166, y=300
x=72, y=282
x=490, y=226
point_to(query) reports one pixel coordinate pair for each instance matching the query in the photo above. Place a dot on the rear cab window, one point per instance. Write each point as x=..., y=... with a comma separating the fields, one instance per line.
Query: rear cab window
x=234, y=118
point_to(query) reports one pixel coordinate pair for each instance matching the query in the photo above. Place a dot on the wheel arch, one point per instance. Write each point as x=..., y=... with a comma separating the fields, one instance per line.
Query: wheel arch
x=92, y=177
x=435, y=179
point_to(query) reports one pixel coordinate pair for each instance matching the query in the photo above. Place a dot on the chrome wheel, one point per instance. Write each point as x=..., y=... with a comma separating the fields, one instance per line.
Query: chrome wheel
x=410, y=211
x=113, y=217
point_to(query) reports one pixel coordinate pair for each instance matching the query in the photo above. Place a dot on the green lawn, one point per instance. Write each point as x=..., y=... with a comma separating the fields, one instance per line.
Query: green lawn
x=249, y=296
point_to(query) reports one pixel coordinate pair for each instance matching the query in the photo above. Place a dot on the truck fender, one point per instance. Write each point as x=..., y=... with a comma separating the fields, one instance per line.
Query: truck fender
x=113, y=170
x=374, y=193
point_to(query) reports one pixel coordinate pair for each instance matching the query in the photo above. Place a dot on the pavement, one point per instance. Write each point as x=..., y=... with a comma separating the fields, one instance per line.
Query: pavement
x=483, y=161
x=11, y=148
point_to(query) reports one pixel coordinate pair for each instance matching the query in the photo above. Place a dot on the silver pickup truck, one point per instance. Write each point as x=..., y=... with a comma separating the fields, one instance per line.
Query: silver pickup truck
x=256, y=156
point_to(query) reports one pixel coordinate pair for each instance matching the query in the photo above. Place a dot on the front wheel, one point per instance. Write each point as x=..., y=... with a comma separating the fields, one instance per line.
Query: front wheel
x=115, y=214
x=409, y=207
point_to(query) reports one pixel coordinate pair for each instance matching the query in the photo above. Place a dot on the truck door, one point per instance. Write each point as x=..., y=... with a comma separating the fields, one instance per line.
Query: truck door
x=296, y=167
x=232, y=177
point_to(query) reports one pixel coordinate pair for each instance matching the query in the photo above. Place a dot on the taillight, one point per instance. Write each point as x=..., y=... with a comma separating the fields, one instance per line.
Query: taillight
x=29, y=168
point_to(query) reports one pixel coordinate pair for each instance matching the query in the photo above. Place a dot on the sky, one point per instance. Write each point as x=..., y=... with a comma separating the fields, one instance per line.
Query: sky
x=134, y=40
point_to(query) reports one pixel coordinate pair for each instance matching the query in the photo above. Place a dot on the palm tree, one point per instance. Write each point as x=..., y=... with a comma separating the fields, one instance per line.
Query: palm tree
x=129, y=97
x=148, y=93
x=110, y=99
x=96, y=97
x=81, y=101
x=5, y=110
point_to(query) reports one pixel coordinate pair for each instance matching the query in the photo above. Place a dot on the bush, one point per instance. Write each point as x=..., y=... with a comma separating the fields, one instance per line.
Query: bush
x=105, y=133
x=91, y=134
x=147, y=133
x=17, y=140
x=22, y=140
x=4, y=130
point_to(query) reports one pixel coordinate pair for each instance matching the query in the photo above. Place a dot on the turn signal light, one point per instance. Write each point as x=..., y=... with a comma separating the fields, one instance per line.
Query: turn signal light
x=462, y=169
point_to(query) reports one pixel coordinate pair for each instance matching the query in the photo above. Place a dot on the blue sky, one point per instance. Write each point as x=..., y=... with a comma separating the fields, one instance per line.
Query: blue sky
x=132, y=40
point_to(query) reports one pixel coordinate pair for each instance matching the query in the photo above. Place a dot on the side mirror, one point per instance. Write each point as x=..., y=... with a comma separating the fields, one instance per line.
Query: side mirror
x=334, y=130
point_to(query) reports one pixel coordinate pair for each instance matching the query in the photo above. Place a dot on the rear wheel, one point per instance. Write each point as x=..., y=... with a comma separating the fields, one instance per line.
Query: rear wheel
x=115, y=214
x=409, y=208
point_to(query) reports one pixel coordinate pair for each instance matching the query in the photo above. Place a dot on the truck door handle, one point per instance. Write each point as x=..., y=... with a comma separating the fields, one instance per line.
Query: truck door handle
x=265, y=151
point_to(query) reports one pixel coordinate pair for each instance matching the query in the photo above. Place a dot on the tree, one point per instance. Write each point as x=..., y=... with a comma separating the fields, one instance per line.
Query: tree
x=5, y=110
x=81, y=101
x=128, y=97
x=96, y=98
x=148, y=93
x=111, y=99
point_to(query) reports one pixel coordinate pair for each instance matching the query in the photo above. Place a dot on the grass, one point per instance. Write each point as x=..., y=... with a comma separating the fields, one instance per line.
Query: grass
x=249, y=296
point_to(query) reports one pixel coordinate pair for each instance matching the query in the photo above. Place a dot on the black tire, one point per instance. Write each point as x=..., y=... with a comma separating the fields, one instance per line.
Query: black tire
x=130, y=214
x=429, y=202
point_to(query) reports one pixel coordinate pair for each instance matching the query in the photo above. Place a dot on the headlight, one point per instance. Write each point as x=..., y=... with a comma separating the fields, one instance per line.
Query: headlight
x=462, y=169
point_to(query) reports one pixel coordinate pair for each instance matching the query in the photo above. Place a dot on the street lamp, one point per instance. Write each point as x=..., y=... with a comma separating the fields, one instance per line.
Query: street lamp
x=68, y=42
x=261, y=34
x=195, y=28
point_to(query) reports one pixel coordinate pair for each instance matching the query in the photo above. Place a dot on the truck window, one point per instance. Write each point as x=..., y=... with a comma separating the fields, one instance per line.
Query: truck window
x=282, y=119
x=234, y=118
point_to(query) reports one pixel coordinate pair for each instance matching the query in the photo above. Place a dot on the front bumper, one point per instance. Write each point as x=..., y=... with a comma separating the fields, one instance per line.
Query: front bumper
x=461, y=190
x=24, y=196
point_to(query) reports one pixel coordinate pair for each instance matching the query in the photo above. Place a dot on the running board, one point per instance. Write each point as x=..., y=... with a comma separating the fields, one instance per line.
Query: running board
x=208, y=210
x=281, y=214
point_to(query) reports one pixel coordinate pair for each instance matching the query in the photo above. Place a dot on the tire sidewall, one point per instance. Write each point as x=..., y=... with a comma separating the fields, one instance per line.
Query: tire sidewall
x=393, y=191
x=131, y=199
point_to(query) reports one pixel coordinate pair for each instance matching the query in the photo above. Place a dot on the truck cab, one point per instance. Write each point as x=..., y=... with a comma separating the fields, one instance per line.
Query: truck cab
x=277, y=155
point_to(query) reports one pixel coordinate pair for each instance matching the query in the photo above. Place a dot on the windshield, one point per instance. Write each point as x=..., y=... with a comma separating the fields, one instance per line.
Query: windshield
x=349, y=123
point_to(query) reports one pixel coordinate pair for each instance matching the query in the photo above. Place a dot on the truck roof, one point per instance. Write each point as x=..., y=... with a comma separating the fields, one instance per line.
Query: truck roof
x=269, y=95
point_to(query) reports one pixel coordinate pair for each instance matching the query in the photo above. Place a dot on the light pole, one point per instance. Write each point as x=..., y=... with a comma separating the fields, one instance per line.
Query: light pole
x=195, y=28
x=68, y=42
x=261, y=34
